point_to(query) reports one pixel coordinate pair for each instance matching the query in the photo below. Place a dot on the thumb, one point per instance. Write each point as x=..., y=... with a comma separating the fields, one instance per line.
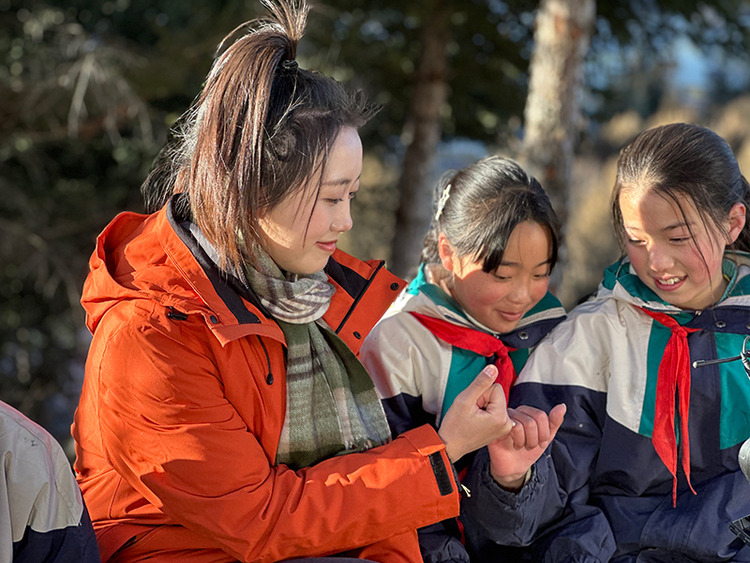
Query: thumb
x=556, y=416
x=475, y=391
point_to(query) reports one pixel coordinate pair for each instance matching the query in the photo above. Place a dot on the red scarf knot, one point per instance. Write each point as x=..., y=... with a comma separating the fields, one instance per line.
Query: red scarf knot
x=673, y=380
x=475, y=341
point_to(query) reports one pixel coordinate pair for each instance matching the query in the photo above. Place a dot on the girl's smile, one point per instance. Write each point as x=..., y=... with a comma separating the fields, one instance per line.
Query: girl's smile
x=673, y=250
x=499, y=299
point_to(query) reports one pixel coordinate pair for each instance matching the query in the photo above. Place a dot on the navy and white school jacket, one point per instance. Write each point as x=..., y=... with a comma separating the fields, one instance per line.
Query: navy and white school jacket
x=601, y=492
x=42, y=515
x=418, y=375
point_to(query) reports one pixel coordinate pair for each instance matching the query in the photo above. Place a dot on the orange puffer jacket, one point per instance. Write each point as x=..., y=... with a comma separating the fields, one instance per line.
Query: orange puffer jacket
x=183, y=404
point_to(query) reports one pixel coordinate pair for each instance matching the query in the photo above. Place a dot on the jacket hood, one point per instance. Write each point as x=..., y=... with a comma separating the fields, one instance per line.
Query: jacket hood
x=156, y=258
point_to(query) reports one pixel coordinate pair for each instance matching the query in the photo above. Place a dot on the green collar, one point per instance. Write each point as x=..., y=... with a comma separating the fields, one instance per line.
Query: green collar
x=622, y=273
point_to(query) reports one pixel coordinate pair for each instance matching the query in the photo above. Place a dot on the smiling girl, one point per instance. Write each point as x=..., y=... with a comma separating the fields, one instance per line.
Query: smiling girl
x=645, y=466
x=480, y=298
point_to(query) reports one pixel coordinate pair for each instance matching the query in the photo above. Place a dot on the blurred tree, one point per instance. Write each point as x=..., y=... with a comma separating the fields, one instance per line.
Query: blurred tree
x=553, y=106
x=423, y=128
x=382, y=45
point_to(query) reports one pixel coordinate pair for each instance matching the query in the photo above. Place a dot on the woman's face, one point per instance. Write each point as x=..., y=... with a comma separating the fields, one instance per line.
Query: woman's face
x=501, y=298
x=301, y=247
x=675, y=254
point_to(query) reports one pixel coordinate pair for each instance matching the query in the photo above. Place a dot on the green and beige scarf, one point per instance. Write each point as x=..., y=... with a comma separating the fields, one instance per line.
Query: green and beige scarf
x=332, y=407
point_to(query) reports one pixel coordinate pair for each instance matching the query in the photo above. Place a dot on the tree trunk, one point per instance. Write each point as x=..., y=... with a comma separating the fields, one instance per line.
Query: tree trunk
x=552, y=115
x=424, y=128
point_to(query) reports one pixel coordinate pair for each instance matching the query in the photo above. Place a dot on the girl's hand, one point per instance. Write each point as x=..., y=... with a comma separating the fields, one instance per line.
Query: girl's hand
x=512, y=456
x=477, y=416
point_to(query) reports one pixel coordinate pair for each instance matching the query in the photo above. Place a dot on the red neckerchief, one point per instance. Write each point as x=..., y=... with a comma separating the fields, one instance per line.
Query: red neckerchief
x=673, y=378
x=475, y=341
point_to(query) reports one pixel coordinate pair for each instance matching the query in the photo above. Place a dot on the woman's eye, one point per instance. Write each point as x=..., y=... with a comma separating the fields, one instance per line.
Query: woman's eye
x=352, y=195
x=543, y=276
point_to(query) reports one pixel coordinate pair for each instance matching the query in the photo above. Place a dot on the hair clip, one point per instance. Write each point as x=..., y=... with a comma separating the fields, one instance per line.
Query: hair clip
x=289, y=65
x=442, y=201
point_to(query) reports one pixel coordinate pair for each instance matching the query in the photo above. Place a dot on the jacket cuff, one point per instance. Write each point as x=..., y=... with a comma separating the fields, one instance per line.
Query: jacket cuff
x=427, y=442
x=512, y=499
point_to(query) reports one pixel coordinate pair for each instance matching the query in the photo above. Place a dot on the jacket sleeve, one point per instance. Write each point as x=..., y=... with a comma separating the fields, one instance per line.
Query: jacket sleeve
x=551, y=513
x=169, y=430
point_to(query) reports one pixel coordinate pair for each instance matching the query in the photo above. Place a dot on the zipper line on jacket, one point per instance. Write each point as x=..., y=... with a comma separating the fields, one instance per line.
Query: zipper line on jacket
x=269, y=376
x=359, y=297
x=176, y=315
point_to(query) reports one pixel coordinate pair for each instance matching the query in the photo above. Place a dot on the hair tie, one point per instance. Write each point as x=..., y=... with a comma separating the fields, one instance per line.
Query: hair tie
x=442, y=201
x=289, y=65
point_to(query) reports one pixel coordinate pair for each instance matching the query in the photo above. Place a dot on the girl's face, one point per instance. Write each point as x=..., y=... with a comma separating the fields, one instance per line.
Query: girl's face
x=499, y=299
x=683, y=269
x=301, y=247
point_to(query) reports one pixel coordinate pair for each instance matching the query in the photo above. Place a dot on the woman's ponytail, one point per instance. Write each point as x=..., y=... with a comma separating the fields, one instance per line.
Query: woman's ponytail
x=258, y=132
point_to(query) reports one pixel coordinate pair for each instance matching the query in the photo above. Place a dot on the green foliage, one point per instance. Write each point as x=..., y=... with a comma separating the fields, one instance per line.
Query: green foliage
x=374, y=45
x=76, y=142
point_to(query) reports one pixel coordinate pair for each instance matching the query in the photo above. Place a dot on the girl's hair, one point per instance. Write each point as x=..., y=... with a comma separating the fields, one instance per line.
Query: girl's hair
x=478, y=207
x=258, y=132
x=687, y=160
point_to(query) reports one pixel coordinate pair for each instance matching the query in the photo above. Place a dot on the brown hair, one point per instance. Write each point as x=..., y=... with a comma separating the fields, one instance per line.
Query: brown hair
x=260, y=129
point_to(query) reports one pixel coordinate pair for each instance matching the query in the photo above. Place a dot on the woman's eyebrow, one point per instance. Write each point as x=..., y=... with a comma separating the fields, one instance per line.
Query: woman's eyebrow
x=340, y=181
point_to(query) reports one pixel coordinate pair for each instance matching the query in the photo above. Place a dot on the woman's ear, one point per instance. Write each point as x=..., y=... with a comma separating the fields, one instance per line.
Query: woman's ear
x=737, y=218
x=446, y=252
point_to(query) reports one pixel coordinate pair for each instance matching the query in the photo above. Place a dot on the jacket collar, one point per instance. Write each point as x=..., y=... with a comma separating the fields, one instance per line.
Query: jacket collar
x=536, y=323
x=621, y=282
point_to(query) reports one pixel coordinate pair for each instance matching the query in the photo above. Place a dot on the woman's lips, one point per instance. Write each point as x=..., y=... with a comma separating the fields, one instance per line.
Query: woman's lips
x=327, y=246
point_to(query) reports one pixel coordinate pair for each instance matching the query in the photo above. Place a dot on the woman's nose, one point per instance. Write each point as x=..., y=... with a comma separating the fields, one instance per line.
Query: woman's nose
x=342, y=221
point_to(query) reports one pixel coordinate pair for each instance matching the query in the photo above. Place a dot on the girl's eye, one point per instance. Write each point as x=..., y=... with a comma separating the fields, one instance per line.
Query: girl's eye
x=501, y=278
x=543, y=276
x=635, y=242
x=352, y=195
x=680, y=240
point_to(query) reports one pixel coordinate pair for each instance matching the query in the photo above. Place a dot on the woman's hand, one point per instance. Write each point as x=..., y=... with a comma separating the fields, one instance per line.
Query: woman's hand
x=512, y=456
x=477, y=416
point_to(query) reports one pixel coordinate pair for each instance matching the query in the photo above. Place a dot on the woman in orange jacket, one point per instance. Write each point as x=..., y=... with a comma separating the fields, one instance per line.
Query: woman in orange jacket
x=222, y=386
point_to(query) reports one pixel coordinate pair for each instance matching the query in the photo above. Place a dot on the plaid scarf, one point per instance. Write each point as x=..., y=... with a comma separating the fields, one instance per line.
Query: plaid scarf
x=332, y=407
